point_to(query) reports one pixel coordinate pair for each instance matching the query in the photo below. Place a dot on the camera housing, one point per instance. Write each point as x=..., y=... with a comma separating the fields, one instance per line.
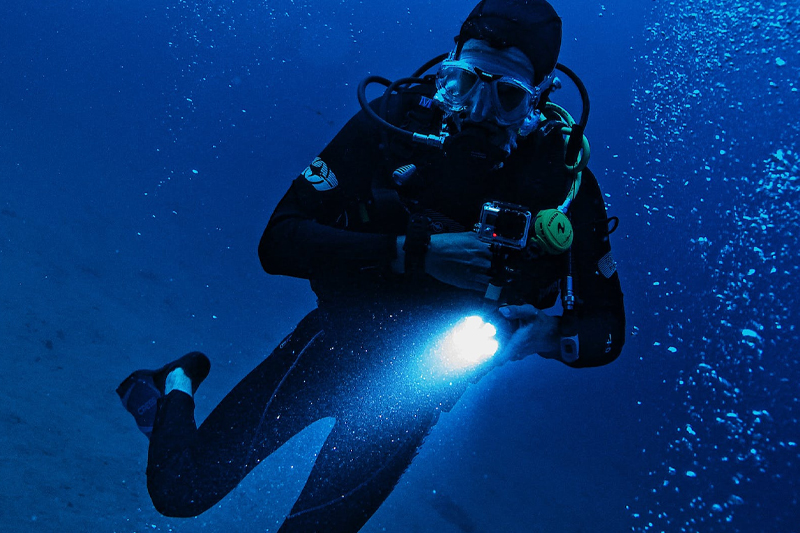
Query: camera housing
x=504, y=224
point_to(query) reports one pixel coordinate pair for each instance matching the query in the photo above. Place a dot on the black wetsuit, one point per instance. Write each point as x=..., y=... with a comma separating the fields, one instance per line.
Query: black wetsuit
x=359, y=356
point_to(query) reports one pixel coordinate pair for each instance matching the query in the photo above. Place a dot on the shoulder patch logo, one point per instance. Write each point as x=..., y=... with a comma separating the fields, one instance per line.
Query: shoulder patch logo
x=426, y=102
x=320, y=175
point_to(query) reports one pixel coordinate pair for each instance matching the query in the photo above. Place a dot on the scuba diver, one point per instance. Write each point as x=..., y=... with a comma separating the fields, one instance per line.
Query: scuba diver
x=463, y=193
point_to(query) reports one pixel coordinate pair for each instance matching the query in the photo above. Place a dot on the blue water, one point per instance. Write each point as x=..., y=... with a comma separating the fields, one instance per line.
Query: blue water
x=144, y=145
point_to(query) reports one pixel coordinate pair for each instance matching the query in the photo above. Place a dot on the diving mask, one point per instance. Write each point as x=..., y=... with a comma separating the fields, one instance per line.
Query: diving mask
x=488, y=84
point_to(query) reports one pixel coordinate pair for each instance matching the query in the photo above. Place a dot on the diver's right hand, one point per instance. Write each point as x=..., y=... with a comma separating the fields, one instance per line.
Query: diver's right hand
x=460, y=260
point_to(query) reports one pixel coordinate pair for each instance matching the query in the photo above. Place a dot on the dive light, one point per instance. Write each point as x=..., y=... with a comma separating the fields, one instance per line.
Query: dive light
x=468, y=344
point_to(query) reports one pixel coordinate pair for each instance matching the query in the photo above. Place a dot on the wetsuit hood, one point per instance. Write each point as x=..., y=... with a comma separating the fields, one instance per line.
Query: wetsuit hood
x=533, y=26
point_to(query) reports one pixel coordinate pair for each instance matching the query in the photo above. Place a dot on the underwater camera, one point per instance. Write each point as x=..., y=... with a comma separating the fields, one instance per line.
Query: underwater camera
x=504, y=224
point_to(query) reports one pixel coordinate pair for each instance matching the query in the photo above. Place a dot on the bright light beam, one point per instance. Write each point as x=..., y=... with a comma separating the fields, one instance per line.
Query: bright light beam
x=470, y=343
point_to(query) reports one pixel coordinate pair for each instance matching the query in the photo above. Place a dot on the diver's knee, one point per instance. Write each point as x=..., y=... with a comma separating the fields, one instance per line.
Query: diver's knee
x=173, y=499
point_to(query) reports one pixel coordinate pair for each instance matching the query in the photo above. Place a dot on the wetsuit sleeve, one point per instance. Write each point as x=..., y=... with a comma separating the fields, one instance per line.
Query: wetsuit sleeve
x=312, y=229
x=600, y=310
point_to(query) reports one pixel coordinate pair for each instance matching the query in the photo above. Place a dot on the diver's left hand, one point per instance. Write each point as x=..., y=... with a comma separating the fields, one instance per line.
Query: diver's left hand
x=536, y=333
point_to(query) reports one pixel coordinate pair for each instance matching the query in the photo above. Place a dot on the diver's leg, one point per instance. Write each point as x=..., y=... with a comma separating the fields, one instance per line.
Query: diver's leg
x=356, y=470
x=190, y=469
x=141, y=391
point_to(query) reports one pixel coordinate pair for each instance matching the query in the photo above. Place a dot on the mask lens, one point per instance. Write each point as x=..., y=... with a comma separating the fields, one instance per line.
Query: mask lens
x=457, y=82
x=510, y=96
x=466, y=80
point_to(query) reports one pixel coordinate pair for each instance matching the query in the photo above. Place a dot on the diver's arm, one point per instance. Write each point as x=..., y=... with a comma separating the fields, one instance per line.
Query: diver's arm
x=456, y=259
x=600, y=309
x=297, y=243
x=310, y=229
